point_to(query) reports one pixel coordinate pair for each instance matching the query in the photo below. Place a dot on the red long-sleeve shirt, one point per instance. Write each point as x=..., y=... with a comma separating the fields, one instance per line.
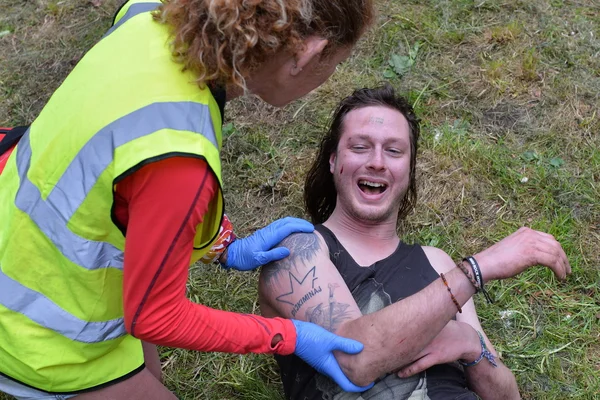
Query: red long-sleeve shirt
x=161, y=204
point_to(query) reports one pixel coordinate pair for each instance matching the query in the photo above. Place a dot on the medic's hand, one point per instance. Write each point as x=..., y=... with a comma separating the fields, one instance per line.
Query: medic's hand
x=257, y=249
x=315, y=346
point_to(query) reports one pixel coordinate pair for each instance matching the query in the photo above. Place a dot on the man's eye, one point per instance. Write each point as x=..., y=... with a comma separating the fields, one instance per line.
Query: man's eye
x=395, y=151
x=359, y=147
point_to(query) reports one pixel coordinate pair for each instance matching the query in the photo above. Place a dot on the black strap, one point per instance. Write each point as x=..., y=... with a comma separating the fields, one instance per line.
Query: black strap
x=12, y=136
x=220, y=96
x=118, y=11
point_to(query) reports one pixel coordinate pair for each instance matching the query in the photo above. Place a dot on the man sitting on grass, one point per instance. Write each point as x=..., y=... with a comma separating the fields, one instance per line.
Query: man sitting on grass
x=410, y=305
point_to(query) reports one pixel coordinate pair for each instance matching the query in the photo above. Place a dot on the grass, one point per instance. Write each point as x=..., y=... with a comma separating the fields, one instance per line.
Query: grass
x=508, y=92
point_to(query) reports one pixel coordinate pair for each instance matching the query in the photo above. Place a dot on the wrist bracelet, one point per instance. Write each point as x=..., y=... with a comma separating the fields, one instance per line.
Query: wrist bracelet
x=464, y=269
x=478, y=277
x=456, y=303
x=485, y=353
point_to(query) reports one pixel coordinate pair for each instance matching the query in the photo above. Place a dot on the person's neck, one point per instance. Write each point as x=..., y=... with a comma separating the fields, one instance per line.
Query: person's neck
x=358, y=236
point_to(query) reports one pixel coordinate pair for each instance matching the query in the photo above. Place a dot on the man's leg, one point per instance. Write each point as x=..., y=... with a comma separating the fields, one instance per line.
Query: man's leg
x=141, y=386
x=152, y=360
x=144, y=385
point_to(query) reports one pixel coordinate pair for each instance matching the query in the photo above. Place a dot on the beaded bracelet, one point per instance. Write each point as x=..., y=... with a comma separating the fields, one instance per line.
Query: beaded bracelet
x=471, y=279
x=478, y=277
x=484, y=353
x=451, y=295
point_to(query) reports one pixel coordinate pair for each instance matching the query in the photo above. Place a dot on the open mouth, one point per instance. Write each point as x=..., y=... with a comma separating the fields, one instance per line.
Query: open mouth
x=369, y=187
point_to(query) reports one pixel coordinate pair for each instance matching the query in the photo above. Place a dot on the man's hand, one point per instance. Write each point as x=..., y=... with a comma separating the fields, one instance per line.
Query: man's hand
x=523, y=249
x=315, y=346
x=457, y=341
x=257, y=249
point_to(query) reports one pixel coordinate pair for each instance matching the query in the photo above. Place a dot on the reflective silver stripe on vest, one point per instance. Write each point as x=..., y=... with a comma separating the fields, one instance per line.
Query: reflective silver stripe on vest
x=43, y=311
x=53, y=222
x=52, y=215
x=133, y=10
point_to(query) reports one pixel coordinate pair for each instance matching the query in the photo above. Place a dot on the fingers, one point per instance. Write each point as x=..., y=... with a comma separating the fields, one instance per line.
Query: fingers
x=299, y=224
x=544, y=234
x=559, y=252
x=349, y=346
x=561, y=255
x=543, y=249
x=334, y=371
x=315, y=346
x=568, y=264
x=549, y=252
x=276, y=254
x=284, y=227
x=418, y=366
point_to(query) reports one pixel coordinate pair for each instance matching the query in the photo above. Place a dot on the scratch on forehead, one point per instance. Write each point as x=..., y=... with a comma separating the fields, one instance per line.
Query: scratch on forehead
x=376, y=120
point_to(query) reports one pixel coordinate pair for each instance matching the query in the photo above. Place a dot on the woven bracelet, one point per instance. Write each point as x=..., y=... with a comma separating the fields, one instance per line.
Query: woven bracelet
x=464, y=269
x=485, y=353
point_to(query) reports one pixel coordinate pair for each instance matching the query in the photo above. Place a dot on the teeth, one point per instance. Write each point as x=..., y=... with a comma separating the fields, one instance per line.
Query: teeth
x=371, y=184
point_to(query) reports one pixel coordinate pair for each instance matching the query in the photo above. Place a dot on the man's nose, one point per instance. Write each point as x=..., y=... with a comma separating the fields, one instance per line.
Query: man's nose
x=376, y=160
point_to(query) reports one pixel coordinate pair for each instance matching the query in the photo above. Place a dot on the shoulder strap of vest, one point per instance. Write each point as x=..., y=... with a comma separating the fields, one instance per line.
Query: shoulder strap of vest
x=12, y=136
x=114, y=20
x=136, y=5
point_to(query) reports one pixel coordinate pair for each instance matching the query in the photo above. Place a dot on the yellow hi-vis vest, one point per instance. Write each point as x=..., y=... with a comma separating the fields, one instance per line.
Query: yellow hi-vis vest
x=126, y=103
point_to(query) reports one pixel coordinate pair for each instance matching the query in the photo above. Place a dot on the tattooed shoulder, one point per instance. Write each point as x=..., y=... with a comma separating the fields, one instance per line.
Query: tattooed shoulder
x=303, y=247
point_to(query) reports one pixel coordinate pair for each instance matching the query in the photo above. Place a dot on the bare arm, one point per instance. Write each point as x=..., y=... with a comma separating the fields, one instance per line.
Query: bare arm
x=391, y=337
x=307, y=286
x=487, y=381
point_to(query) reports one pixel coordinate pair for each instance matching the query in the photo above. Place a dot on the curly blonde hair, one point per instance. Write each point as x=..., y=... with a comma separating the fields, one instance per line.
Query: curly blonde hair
x=224, y=40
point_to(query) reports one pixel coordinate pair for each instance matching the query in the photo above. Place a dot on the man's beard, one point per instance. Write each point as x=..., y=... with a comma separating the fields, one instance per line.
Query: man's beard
x=372, y=216
x=367, y=214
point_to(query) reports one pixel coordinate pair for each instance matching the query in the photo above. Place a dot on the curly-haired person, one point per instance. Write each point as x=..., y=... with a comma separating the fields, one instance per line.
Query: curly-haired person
x=115, y=189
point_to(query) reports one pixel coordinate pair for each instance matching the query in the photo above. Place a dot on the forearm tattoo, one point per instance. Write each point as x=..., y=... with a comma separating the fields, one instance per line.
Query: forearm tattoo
x=329, y=316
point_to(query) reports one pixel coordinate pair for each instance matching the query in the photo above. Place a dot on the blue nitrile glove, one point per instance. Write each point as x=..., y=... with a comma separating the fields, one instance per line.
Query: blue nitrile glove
x=315, y=346
x=257, y=249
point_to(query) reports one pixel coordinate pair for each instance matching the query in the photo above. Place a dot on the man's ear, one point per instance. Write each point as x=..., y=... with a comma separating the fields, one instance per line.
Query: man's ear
x=332, y=158
x=311, y=51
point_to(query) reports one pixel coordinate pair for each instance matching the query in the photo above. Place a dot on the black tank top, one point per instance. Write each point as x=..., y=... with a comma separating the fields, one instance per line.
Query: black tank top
x=402, y=274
